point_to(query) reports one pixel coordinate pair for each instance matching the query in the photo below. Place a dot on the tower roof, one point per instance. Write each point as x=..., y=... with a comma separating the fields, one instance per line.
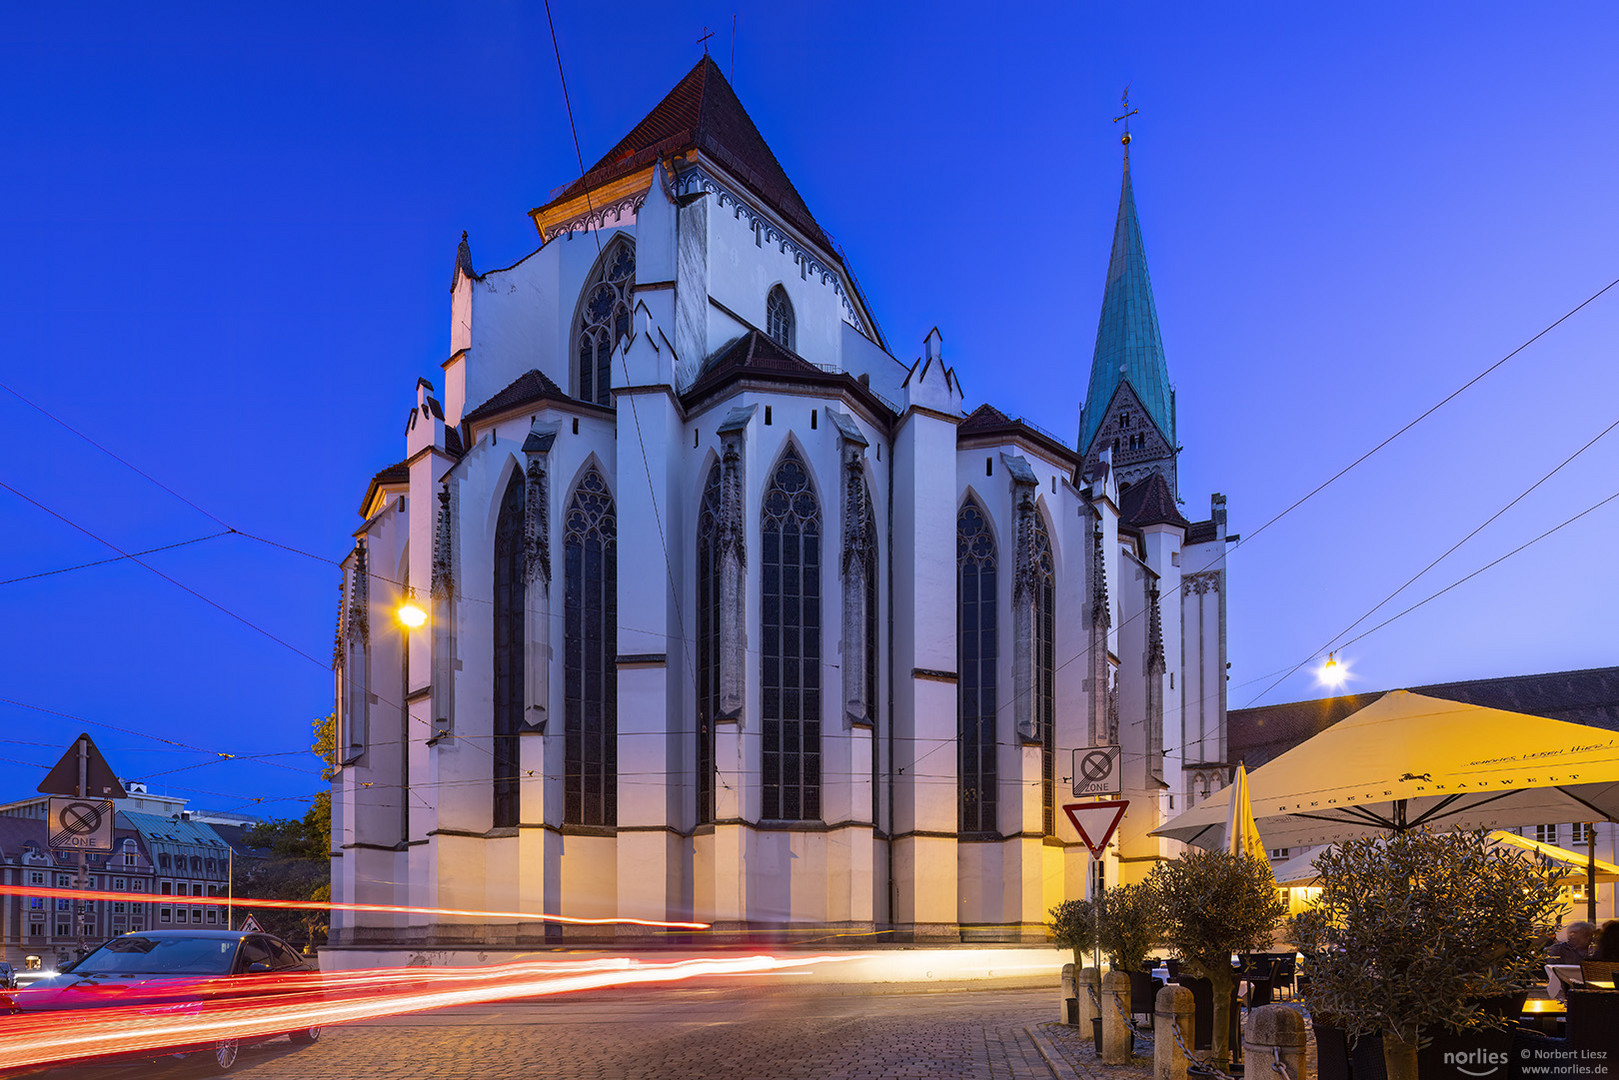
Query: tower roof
x=702, y=112
x=1128, y=345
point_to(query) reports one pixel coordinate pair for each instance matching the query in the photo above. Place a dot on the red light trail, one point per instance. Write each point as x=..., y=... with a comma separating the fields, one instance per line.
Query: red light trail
x=46, y=892
x=192, y=1013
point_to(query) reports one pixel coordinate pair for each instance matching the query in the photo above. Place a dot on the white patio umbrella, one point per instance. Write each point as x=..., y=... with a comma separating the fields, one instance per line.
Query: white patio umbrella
x=1242, y=835
x=1409, y=760
x=1300, y=871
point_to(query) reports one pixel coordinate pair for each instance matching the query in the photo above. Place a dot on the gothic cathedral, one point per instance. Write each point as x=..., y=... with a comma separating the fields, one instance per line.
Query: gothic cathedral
x=734, y=617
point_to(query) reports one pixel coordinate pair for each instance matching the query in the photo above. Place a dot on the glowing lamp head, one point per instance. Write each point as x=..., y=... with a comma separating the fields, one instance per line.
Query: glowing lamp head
x=411, y=614
x=1334, y=672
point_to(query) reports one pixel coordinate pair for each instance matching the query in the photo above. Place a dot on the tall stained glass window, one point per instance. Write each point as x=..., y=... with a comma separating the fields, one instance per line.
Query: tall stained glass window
x=590, y=657
x=604, y=318
x=976, y=656
x=779, y=317
x=708, y=640
x=1045, y=669
x=508, y=649
x=790, y=649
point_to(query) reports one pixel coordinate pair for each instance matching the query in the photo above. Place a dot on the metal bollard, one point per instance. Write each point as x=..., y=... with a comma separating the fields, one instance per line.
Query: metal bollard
x=1063, y=1008
x=1089, y=987
x=1117, y=1040
x=1173, y=1006
x=1274, y=1033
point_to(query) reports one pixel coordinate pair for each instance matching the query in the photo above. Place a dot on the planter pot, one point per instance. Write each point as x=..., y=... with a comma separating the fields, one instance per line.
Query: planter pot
x=1096, y=1036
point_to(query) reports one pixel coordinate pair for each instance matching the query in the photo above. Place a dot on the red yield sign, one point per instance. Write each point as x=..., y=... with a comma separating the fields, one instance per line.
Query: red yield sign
x=1096, y=821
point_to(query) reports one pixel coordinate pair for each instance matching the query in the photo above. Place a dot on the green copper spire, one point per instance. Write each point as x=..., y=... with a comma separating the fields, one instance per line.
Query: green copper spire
x=1128, y=346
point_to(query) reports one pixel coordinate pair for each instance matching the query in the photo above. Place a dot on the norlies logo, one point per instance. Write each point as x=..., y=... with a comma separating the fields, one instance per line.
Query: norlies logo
x=1477, y=1062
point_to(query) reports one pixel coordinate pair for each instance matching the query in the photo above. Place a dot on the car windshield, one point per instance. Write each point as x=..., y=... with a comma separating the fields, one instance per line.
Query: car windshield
x=135, y=953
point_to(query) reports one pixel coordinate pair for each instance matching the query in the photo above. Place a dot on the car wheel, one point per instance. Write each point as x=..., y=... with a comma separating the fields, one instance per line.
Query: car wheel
x=305, y=1037
x=222, y=1057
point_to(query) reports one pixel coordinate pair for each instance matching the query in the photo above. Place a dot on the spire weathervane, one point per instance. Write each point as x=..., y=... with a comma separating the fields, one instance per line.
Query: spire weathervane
x=1128, y=112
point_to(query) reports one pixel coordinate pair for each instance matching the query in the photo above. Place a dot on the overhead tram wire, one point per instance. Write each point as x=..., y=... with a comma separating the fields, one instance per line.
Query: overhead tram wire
x=1522, y=495
x=635, y=414
x=115, y=558
x=1219, y=559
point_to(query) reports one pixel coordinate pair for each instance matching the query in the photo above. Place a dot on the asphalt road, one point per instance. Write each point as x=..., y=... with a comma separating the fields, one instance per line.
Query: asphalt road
x=750, y=1032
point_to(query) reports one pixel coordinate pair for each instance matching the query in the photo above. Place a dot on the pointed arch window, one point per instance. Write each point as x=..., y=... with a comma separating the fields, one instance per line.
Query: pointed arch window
x=1045, y=670
x=779, y=318
x=708, y=640
x=976, y=656
x=508, y=689
x=604, y=318
x=590, y=657
x=790, y=659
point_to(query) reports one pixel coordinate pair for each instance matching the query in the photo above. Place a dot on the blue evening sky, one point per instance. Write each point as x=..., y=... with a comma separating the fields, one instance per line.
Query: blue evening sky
x=229, y=230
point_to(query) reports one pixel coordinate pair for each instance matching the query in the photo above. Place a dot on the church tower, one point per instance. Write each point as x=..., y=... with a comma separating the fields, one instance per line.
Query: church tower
x=1130, y=406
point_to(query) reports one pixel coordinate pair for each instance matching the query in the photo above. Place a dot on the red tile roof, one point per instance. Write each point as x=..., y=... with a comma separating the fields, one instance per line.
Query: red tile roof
x=532, y=385
x=1150, y=502
x=702, y=113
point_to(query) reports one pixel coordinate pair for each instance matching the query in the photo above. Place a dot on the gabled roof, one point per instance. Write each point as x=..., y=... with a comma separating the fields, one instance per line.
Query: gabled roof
x=987, y=421
x=1150, y=502
x=985, y=418
x=758, y=352
x=755, y=355
x=702, y=113
x=1129, y=347
x=397, y=473
x=531, y=386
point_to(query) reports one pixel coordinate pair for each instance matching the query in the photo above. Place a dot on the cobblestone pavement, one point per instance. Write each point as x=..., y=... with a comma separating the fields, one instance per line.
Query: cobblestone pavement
x=758, y=1033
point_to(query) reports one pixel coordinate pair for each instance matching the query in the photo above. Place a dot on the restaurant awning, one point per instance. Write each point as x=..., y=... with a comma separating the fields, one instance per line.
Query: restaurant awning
x=1408, y=760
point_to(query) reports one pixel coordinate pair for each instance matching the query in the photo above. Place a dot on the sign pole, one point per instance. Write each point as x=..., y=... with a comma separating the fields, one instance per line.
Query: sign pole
x=84, y=857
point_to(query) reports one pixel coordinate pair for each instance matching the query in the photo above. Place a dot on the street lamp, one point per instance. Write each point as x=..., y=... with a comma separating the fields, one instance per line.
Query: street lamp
x=410, y=612
x=1333, y=673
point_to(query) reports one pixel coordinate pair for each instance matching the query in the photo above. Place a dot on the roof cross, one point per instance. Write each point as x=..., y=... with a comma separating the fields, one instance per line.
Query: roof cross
x=703, y=41
x=1128, y=112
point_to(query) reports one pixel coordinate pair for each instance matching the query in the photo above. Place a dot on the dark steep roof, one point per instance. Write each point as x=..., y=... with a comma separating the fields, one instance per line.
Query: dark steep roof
x=702, y=113
x=1150, y=502
x=985, y=418
x=397, y=473
x=1589, y=696
x=757, y=352
x=532, y=385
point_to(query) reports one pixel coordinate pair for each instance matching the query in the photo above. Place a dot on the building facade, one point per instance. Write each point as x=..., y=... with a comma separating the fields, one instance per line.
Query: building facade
x=734, y=616
x=44, y=931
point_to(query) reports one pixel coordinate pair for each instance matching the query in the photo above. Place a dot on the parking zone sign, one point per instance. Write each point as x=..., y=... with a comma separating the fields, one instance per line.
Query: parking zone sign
x=80, y=824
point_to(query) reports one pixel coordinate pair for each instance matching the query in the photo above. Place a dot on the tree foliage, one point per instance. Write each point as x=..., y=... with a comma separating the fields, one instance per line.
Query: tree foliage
x=1073, y=926
x=1409, y=931
x=1128, y=925
x=1212, y=904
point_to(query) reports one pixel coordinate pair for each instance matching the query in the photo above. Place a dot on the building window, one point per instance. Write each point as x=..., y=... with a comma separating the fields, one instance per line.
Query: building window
x=119, y=907
x=36, y=877
x=163, y=860
x=181, y=889
x=36, y=903
x=117, y=883
x=212, y=917
x=63, y=930
x=1098, y=878
x=977, y=652
x=63, y=881
x=604, y=318
x=1279, y=852
x=790, y=650
x=1546, y=834
x=64, y=905
x=779, y=318
x=1045, y=670
x=590, y=654
x=708, y=640
x=1124, y=421
x=163, y=914
x=166, y=888
x=509, y=601
x=1579, y=833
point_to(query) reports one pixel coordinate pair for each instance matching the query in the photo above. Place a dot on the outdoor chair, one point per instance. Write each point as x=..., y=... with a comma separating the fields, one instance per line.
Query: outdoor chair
x=1596, y=972
x=1203, y=1013
x=1173, y=966
x=1258, y=970
x=1143, y=993
x=1593, y=1017
x=1283, y=974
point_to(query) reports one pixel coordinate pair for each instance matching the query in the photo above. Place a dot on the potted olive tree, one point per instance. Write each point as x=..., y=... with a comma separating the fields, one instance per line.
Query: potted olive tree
x=1127, y=929
x=1073, y=926
x=1210, y=905
x=1413, y=934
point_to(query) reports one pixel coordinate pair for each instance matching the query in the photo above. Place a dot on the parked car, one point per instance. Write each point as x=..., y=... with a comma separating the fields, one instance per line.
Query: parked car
x=8, y=976
x=170, y=969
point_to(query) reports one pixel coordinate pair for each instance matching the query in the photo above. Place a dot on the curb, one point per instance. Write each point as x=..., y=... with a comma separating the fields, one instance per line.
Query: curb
x=1054, y=1060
